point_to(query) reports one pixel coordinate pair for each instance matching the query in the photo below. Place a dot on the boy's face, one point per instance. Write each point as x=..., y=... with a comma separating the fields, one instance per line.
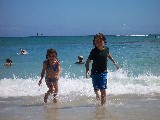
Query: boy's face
x=52, y=56
x=99, y=42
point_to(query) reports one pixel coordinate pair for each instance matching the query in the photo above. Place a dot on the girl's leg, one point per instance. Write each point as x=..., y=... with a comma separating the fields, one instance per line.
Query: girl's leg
x=103, y=97
x=55, y=92
x=52, y=89
x=46, y=96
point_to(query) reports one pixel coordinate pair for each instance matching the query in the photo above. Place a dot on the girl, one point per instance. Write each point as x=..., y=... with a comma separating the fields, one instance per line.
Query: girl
x=52, y=68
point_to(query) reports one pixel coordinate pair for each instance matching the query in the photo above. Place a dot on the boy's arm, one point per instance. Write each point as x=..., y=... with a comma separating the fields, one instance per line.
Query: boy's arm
x=111, y=58
x=87, y=67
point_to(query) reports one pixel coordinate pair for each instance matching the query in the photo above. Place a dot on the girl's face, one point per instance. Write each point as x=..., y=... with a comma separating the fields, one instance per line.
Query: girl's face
x=52, y=56
x=99, y=42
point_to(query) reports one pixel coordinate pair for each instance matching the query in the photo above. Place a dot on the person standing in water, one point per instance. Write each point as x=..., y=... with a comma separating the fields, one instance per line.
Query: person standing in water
x=52, y=68
x=99, y=56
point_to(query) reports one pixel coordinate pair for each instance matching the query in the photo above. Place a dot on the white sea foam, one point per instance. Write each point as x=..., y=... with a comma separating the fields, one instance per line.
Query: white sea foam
x=118, y=83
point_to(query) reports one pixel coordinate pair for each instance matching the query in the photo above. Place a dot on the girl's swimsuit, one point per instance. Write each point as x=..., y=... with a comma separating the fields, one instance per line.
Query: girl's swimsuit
x=54, y=68
x=51, y=80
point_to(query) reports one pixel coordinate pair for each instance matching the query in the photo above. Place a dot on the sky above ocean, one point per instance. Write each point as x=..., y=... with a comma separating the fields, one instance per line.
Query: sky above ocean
x=78, y=17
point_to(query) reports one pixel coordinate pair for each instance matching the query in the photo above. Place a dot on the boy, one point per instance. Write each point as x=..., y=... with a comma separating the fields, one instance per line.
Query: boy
x=53, y=70
x=99, y=56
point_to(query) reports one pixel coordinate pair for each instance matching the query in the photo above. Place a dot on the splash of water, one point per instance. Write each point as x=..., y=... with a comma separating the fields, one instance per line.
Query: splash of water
x=118, y=83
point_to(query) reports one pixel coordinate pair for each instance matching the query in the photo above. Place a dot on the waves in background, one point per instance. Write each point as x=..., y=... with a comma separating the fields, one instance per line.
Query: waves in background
x=138, y=58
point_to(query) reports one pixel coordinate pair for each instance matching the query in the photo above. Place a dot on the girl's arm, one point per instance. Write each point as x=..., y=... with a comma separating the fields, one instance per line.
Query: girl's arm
x=42, y=73
x=59, y=71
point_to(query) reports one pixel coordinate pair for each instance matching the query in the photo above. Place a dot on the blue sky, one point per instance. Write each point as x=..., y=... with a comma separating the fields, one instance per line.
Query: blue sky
x=78, y=17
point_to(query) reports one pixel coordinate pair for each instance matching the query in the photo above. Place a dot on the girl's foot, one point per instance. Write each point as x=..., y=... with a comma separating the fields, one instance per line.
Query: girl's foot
x=45, y=98
x=55, y=98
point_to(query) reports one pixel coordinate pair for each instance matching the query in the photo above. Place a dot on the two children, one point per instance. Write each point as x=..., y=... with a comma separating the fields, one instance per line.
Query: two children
x=98, y=55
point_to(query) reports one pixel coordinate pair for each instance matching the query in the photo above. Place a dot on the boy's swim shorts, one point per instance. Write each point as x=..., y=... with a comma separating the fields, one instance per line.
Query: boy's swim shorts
x=99, y=81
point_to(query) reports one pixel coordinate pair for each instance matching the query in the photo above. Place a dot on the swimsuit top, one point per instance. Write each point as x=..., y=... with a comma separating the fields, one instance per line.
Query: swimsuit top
x=53, y=67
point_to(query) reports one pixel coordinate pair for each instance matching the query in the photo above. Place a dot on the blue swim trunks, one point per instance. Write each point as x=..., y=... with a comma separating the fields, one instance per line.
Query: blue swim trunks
x=99, y=81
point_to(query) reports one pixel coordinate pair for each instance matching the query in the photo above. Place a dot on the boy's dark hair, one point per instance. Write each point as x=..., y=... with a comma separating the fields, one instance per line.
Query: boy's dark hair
x=51, y=50
x=101, y=36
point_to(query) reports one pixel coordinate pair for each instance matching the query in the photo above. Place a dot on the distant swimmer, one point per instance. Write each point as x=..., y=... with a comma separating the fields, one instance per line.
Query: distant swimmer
x=80, y=60
x=8, y=62
x=22, y=52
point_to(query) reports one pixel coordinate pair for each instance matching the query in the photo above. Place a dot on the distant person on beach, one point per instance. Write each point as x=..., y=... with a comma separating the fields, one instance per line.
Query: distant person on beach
x=99, y=56
x=8, y=62
x=22, y=51
x=51, y=67
x=80, y=60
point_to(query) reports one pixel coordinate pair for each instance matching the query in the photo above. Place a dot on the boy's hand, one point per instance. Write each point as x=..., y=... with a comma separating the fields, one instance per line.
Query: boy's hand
x=116, y=66
x=87, y=73
x=39, y=83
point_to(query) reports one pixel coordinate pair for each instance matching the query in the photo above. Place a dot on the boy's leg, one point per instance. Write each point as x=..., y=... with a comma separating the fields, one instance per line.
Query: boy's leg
x=97, y=94
x=95, y=82
x=103, y=97
x=103, y=86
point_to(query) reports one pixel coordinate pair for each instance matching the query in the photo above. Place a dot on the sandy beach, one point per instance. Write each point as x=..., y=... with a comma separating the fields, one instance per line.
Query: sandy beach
x=120, y=107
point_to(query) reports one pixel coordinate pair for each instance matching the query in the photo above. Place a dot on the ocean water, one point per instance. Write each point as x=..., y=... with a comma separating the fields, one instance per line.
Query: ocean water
x=138, y=58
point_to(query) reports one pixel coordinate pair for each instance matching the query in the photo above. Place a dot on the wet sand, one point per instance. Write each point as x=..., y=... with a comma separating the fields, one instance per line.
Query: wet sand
x=118, y=107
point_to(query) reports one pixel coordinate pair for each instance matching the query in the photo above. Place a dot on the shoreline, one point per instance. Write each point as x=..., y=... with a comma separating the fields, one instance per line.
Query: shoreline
x=118, y=107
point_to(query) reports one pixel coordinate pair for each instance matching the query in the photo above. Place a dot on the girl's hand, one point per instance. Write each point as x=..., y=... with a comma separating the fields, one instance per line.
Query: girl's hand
x=57, y=77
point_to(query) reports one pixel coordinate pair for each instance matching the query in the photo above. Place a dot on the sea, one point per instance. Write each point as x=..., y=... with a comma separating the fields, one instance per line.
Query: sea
x=133, y=90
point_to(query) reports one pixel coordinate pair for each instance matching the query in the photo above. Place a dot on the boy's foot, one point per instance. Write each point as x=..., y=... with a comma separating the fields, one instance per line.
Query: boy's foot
x=45, y=98
x=55, y=100
x=97, y=97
